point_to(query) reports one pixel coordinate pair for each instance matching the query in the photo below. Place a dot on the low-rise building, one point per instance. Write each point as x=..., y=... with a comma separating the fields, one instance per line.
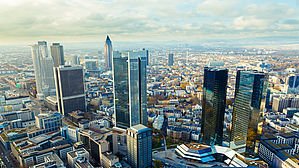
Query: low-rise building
x=109, y=160
x=11, y=135
x=51, y=160
x=280, y=151
x=77, y=155
x=71, y=133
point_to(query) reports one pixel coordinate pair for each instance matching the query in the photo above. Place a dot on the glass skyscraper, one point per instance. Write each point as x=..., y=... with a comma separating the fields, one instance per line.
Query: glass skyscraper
x=130, y=99
x=292, y=84
x=147, y=56
x=213, y=104
x=250, y=99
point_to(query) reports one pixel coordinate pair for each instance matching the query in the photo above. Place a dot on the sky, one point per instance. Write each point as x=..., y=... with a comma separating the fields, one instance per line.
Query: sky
x=26, y=21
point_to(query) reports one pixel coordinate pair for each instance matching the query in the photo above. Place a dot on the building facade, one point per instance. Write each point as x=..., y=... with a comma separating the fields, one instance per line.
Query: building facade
x=70, y=89
x=250, y=99
x=130, y=99
x=213, y=107
x=139, y=143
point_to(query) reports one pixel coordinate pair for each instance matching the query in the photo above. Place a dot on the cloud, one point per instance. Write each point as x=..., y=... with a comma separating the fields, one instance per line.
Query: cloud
x=265, y=17
x=218, y=7
x=144, y=20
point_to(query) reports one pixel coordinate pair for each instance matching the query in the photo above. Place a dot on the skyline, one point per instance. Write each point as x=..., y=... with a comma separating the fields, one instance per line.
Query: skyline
x=25, y=21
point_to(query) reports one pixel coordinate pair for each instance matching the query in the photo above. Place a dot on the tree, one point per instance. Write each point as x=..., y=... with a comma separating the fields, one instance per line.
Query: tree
x=158, y=163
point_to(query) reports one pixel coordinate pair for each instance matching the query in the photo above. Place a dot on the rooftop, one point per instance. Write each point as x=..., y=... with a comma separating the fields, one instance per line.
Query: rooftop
x=287, y=135
x=197, y=146
x=50, y=114
x=110, y=156
x=77, y=153
x=40, y=138
x=139, y=128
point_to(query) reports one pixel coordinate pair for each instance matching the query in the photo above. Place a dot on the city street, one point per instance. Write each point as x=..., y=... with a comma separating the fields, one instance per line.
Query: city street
x=8, y=160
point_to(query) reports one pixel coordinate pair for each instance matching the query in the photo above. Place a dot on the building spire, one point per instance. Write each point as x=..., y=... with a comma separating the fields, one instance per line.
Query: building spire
x=108, y=39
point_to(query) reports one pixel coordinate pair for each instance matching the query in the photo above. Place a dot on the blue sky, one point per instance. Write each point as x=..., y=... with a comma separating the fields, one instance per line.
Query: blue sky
x=146, y=20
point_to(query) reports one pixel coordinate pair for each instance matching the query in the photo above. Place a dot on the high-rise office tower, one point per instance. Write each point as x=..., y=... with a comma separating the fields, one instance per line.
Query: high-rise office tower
x=75, y=60
x=147, y=56
x=57, y=54
x=292, y=84
x=43, y=68
x=170, y=59
x=139, y=143
x=69, y=81
x=213, y=106
x=129, y=75
x=108, y=53
x=250, y=100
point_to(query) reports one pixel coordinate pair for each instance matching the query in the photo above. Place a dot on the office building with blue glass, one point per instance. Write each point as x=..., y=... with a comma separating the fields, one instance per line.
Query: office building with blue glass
x=130, y=99
x=250, y=100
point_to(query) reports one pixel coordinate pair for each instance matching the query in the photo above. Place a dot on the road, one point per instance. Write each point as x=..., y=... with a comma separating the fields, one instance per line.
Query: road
x=7, y=158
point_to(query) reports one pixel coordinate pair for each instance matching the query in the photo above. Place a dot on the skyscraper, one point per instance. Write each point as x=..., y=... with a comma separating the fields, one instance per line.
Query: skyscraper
x=108, y=53
x=250, y=99
x=147, y=56
x=43, y=68
x=69, y=81
x=130, y=99
x=75, y=60
x=214, y=102
x=139, y=143
x=170, y=59
x=292, y=84
x=57, y=54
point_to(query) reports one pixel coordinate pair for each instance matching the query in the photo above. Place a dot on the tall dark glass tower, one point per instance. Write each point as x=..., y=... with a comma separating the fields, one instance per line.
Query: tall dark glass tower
x=69, y=81
x=250, y=99
x=108, y=53
x=147, y=56
x=130, y=99
x=213, y=107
